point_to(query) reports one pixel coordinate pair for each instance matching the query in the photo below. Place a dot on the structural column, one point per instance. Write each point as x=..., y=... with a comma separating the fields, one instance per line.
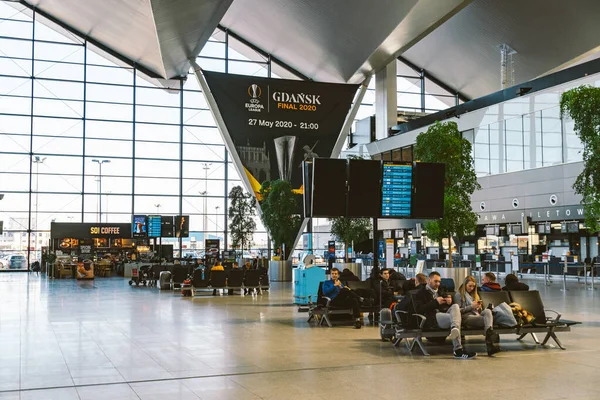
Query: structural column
x=386, y=110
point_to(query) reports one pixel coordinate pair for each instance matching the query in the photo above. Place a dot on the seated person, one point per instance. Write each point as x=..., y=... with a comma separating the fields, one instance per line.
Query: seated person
x=511, y=283
x=384, y=289
x=411, y=284
x=397, y=276
x=217, y=267
x=436, y=305
x=348, y=276
x=489, y=283
x=342, y=296
x=473, y=316
x=235, y=265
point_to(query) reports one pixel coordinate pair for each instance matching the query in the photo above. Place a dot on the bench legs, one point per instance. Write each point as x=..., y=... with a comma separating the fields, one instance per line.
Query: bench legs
x=552, y=335
x=419, y=341
x=533, y=335
x=325, y=318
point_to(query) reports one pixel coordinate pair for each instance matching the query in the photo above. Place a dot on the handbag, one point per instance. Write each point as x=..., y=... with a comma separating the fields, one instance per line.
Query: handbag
x=503, y=316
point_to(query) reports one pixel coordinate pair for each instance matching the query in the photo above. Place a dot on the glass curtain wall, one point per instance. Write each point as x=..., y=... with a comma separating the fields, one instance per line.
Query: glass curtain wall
x=533, y=140
x=83, y=139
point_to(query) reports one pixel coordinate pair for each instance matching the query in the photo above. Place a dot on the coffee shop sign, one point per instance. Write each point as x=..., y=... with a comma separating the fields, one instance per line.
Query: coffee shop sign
x=105, y=230
x=536, y=214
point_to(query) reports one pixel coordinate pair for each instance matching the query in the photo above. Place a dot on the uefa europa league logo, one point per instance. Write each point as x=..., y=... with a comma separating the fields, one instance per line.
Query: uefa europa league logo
x=254, y=91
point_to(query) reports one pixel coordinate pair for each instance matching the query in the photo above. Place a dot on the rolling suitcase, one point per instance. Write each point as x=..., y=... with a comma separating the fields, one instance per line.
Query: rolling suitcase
x=164, y=280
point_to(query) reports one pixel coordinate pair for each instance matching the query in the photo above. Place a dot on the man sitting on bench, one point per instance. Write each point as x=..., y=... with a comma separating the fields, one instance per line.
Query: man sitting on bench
x=385, y=289
x=489, y=283
x=436, y=305
x=342, y=296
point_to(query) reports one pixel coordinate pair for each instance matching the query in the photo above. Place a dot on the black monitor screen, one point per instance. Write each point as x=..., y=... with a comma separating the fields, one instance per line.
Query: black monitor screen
x=396, y=192
x=307, y=183
x=573, y=227
x=329, y=187
x=364, y=188
x=428, y=195
x=166, y=229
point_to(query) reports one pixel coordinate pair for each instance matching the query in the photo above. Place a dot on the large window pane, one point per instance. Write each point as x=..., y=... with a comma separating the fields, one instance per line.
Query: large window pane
x=162, y=186
x=151, y=169
x=514, y=144
x=59, y=52
x=147, y=204
x=15, y=86
x=108, y=130
x=496, y=149
x=482, y=151
x=108, y=148
x=552, y=136
x=167, y=151
x=532, y=139
x=14, y=143
x=48, y=126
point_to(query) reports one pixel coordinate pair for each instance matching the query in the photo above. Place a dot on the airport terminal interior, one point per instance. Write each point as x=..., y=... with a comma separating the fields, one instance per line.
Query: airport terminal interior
x=182, y=181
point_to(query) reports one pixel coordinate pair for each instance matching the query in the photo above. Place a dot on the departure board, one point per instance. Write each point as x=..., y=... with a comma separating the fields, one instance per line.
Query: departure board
x=397, y=190
x=154, y=225
x=167, y=226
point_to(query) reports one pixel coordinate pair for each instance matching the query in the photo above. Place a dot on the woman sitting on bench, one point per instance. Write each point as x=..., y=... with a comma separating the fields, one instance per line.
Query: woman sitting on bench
x=473, y=316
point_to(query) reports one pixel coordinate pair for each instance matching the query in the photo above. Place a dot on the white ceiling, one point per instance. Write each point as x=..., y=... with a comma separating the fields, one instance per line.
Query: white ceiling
x=456, y=41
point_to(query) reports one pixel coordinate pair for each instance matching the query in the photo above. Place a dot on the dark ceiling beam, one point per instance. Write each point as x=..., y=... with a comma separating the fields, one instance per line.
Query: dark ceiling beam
x=88, y=39
x=264, y=53
x=433, y=79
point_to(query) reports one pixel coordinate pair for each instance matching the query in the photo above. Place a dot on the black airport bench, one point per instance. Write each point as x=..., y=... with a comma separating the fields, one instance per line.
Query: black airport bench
x=529, y=300
x=322, y=310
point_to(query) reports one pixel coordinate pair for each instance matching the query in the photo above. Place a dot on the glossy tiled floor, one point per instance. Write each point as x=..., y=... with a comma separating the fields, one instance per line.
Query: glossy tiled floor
x=105, y=340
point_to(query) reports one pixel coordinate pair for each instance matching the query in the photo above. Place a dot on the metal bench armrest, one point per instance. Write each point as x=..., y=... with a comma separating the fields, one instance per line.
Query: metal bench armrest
x=423, y=320
x=328, y=300
x=399, y=313
x=556, y=318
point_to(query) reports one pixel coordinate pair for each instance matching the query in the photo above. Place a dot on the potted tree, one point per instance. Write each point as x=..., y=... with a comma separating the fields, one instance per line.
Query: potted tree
x=349, y=231
x=279, y=207
x=241, y=219
x=582, y=104
x=443, y=143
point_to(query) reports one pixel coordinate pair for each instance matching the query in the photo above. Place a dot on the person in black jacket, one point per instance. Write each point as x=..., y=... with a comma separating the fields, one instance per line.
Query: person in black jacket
x=348, y=276
x=436, y=305
x=511, y=283
x=385, y=289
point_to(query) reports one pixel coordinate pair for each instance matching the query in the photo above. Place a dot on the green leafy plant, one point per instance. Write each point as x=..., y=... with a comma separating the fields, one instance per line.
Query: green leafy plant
x=582, y=104
x=443, y=143
x=278, y=213
x=348, y=230
x=241, y=218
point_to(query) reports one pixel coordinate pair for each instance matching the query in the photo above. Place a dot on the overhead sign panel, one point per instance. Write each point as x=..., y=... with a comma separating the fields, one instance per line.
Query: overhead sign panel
x=275, y=124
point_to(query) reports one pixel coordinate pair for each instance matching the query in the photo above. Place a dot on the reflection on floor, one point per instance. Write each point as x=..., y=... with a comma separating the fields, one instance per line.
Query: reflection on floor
x=63, y=339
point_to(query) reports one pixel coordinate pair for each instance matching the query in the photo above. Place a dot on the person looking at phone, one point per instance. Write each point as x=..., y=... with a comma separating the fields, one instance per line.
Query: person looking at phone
x=473, y=314
x=341, y=295
x=436, y=305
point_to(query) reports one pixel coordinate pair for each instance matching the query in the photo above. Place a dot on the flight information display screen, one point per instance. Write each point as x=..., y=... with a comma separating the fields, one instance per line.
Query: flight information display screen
x=397, y=190
x=154, y=225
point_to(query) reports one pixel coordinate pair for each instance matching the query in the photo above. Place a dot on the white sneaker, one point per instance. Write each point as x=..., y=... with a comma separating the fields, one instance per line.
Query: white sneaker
x=454, y=333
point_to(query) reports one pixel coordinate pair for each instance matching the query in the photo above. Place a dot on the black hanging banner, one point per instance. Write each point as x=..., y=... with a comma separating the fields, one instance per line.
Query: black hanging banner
x=275, y=124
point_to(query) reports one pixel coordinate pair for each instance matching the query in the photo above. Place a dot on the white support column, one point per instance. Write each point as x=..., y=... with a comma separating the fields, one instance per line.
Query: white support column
x=386, y=101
